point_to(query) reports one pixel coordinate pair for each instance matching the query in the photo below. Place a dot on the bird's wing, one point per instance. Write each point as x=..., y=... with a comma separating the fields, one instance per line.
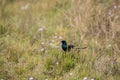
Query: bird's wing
x=71, y=46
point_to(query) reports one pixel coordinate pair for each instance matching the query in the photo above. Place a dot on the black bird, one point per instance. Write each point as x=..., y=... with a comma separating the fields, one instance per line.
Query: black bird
x=67, y=47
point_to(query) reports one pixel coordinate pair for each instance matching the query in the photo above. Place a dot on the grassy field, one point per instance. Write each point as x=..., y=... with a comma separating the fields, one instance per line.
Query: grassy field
x=31, y=31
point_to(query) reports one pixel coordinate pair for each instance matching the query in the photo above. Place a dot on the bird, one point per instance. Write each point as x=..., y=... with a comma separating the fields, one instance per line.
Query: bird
x=67, y=47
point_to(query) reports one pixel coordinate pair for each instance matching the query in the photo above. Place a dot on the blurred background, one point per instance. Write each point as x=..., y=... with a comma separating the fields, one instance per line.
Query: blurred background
x=31, y=31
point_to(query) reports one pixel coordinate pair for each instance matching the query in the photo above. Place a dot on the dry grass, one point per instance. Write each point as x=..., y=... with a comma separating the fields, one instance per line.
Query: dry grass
x=31, y=31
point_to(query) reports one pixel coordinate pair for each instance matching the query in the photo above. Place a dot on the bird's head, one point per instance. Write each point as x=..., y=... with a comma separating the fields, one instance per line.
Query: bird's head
x=64, y=42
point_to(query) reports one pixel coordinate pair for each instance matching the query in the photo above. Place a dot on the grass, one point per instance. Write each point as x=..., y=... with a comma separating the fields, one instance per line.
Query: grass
x=31, y=31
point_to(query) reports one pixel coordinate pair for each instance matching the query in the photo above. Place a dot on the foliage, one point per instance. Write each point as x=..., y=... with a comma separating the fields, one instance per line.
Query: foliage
x=31, y=31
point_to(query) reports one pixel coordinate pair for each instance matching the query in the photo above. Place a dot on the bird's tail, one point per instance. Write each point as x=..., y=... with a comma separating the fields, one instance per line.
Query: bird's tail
x=81, y=48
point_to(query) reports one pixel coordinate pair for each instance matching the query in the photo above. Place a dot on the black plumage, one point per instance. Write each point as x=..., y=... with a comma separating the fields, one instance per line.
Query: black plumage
x=65, y=46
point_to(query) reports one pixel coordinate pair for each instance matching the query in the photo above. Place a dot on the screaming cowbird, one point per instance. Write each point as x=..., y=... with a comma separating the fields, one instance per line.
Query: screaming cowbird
x=67, y=47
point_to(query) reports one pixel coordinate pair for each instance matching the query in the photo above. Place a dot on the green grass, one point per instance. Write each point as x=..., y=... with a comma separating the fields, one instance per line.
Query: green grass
x=31, y=31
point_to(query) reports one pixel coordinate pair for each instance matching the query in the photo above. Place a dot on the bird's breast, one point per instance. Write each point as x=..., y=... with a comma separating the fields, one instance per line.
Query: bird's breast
x=64, y=47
